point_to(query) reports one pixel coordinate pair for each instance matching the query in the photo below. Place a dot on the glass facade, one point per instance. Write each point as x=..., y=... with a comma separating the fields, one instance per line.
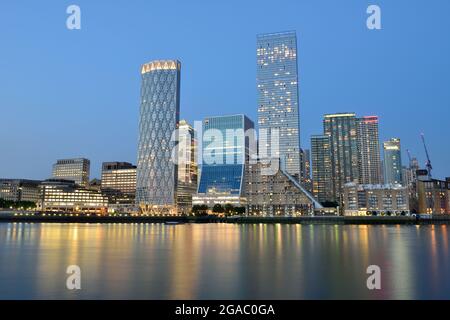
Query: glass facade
x=341, y=128
x=392, y=162
x=159, y=117
x=224, y=163
x=277, y=91
x=321, y=168
x=369, y=151
x=187, y=167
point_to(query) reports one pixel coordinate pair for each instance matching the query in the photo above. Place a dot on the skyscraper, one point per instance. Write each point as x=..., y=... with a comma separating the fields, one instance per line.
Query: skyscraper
x=369, y=160
x=341, y=128
x=392, y=162
x=321, y=168
x=305, y=162
x=278, y=99
x=159, y=117
x=225, y=155
x=76, y=170
x=187, y=167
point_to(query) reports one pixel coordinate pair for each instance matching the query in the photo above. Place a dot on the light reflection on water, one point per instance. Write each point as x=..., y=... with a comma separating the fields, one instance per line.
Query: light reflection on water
x=223, y=261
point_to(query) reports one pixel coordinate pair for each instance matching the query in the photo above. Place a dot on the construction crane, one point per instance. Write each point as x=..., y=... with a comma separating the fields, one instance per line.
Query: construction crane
x=409, y=157
x=428, y=165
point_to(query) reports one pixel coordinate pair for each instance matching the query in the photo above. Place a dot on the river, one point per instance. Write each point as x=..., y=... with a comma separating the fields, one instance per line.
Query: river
x=223, y=261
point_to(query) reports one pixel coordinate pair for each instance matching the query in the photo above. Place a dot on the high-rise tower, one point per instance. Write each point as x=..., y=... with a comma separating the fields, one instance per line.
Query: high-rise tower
x=369, y=161
x=341, y=128
x=159, y=116
x=278, y=99
x=392, y=162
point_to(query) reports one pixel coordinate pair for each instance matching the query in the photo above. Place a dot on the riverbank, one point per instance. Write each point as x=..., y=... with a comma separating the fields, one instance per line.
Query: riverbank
x=362, y=220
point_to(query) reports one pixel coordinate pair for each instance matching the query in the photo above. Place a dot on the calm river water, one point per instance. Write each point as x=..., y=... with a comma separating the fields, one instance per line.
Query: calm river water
x=223, y=261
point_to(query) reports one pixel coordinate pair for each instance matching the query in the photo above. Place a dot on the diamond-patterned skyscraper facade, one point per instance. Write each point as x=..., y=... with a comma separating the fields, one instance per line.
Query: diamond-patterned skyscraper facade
x=159, y=117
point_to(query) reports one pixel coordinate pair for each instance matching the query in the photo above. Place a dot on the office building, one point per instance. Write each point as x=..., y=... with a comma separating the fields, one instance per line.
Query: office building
x=392, y=162
x=321, y=168
x=276, y=193
x=66, y=196
x=225, y=155
x=378, y=199
x=159, y=116
x=19, y=190
x=76, y=170
x=278, y=99
x=305, y=162
x=119, y=182
x=369, y=161
x=187, y=167
x=341, y=128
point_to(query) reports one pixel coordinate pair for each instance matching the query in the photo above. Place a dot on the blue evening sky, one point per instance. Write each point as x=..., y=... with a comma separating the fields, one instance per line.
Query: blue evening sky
x=76, y=93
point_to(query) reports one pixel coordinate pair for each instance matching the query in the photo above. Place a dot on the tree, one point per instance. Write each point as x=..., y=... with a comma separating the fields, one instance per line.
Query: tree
x=229, y=208
x=218, y=208
x=200, y=210
x=27, y=205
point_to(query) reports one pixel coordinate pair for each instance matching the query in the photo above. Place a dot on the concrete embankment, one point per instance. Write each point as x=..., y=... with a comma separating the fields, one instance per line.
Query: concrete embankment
x=28, y=217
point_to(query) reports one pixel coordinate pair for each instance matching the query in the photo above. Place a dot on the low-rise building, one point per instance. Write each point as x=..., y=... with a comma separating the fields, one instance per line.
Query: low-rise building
x=271, y=191
x=19, y=190
x=375, y=199
x=433, y=194
x=67, y=196
x=119, y=182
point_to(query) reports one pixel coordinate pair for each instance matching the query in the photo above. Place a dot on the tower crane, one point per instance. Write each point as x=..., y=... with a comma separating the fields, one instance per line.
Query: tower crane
x=428, y=165
x=409, y=157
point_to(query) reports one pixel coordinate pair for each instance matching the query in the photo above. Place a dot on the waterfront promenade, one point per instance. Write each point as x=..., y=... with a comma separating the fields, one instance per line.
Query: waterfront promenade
x=32, y=217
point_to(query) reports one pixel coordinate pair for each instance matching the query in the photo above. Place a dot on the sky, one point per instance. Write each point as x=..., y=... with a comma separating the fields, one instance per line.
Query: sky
x=75, y=93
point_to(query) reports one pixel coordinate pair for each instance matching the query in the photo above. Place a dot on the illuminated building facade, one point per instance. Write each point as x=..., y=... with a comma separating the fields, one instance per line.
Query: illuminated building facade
x=187, y=167
x=433, y=194
x=278, y=99
x=276, y=193
x=392, y=162
x=225, y=155
x=305, y=162
x=159, y=116
x=378, y=199
x=119, y=182
x=341, y=128
x=19, y=190
x=369, y=161
x=72, y=169
x=321, y=168
x=65, y=196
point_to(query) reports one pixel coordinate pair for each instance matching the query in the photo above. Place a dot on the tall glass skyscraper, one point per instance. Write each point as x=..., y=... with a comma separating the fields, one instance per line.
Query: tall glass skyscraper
x=225, y=151
x=341, y=128
x=369, y=151
x=392, y=162
x=187, y=167
x=321, y=168
x=278, y=101
x=159, y=116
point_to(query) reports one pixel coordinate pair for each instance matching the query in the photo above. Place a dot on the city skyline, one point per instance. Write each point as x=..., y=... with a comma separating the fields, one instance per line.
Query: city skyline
x=33, y=137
